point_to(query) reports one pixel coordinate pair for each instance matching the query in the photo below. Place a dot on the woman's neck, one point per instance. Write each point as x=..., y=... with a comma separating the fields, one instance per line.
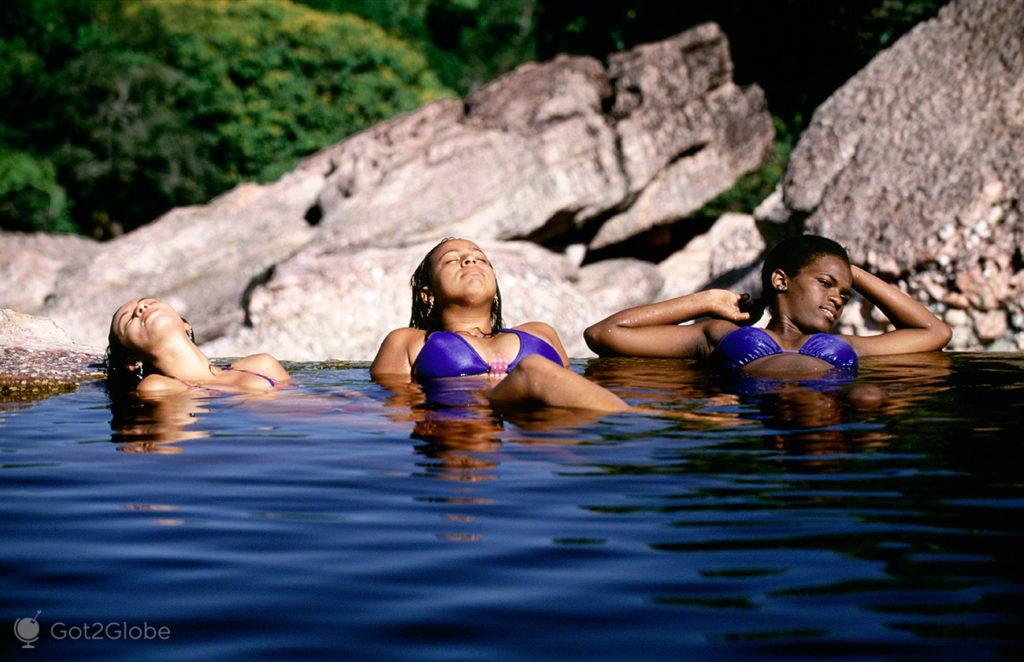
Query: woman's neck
x=782, y=326
x=474, y=320
x=182, y=360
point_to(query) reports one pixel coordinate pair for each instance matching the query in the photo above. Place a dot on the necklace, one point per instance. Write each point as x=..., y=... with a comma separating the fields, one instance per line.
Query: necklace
x=476, y=332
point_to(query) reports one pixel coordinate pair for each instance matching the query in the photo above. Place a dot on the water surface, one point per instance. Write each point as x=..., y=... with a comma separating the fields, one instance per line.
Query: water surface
x=880, y=518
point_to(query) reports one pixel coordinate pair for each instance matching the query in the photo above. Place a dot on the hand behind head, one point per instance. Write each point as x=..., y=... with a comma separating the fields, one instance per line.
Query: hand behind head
x=753, y=307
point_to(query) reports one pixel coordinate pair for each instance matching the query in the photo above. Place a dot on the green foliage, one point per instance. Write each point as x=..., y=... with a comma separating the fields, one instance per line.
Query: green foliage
x=468, y=42
x=149, y=104
x=275, y=81
x=31, y=200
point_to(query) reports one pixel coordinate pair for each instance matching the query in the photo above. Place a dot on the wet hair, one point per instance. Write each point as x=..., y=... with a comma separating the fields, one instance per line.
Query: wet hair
x=793, y=254
x=124, y=369
x=427, y=317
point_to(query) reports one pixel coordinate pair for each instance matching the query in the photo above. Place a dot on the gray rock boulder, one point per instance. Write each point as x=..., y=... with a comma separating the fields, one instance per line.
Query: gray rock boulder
x=687, y=133
x=728, y=255
x=527, y=148
x=29, y=264
x=915, y=166
x=199, y=259
x=535, y=155
x=611, y=285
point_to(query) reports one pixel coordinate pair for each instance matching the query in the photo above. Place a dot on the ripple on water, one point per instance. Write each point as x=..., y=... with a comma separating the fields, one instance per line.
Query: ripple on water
x=342, y=518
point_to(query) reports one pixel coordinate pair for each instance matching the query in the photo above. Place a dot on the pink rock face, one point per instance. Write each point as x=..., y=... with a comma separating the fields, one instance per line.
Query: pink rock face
x=38, y=358
x=340, y=303
x=29, y=264
x=199, y=259
x=990, y=325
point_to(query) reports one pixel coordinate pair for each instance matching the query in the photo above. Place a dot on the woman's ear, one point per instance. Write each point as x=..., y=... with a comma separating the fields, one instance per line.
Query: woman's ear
x=780, y=282
x=425, y=295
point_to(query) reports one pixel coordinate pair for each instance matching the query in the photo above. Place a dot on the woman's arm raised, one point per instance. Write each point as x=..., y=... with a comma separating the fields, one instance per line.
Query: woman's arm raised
x=653, y=330
x=917, y=329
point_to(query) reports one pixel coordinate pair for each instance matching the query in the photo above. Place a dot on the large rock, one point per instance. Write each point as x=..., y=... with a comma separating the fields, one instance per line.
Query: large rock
x=916, y=165
x=686, y=131
x=29, y=264
x=199, y=259
x=341, y=302
x=529, y=147
x=728, y=255
x=535, y=154
x=611, y=285
x=38, y=358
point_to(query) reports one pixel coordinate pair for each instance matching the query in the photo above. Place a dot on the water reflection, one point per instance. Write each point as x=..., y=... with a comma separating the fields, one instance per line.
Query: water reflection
x=456, y=424
x=794, y=520
x=156, y=424
x=869, y=470
x=817, y=417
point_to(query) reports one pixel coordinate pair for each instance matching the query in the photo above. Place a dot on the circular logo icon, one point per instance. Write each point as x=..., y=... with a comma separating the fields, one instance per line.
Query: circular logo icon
x=27, y=630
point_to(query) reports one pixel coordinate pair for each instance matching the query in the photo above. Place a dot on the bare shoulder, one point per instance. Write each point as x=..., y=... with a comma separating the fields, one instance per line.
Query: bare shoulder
x=155, y=384
x=405, y=334
x=406, y=339
x=542, y=329
x=716, y=329
x=265, y=364
x=398, y=351
x=547, y=333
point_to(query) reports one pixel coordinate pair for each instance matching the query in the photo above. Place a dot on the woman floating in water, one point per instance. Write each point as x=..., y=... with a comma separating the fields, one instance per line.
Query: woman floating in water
x=806, y=281
x=457, y=331
x=152, y=350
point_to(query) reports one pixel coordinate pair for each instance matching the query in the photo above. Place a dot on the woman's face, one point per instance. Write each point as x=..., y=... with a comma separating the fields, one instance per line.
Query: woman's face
x=815, y=296
x=461, y=272
x=141, y=325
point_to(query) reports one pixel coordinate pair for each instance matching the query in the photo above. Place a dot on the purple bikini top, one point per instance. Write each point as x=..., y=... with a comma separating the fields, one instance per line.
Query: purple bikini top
x=447, y=354
x=748, y=343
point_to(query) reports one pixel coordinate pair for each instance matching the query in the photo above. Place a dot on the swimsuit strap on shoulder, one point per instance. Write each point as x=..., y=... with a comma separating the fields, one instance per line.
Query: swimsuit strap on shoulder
x=270, y=380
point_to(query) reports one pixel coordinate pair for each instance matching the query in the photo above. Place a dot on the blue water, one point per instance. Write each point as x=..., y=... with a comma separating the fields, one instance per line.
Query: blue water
x=878, y=519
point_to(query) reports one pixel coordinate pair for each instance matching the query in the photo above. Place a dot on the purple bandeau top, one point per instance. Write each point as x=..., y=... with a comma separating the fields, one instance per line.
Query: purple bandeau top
x=447, y=354
x=748, y=343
